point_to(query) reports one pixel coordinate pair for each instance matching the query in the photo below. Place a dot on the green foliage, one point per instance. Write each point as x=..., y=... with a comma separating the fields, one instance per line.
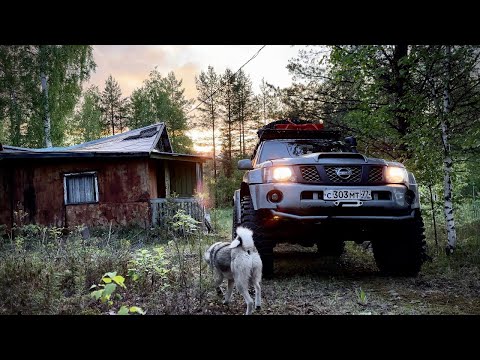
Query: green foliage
x=149, y=266
x=22, y=108
x=184, y=223
x=125, y=310
x=361, y=296
x=222, y=221
x=414, y=104
x=107, y=288
x=222, y=190
x=110, y=281
x=114, y=107
x=162, y=99
x=88, y=124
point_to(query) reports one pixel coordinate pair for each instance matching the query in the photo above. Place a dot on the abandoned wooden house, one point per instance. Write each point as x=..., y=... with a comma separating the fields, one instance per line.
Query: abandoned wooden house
x=123, y=179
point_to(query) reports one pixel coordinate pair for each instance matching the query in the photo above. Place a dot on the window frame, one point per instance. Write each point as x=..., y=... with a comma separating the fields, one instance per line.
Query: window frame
x=65, y=192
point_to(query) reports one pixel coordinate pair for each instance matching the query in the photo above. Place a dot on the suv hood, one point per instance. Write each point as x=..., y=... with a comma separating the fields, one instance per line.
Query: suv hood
x=341, y=158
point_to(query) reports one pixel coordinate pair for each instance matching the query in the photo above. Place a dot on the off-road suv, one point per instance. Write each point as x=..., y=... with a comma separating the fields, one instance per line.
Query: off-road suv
x=309, y=186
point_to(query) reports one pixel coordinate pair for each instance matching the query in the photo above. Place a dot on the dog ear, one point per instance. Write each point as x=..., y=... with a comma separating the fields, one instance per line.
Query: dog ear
x=235, y=243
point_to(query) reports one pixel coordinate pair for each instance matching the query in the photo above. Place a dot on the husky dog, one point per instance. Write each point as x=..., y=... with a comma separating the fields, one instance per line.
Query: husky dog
x=239, y=263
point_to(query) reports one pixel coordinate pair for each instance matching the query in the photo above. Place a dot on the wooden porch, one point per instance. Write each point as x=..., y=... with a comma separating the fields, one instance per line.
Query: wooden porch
x=166, y=208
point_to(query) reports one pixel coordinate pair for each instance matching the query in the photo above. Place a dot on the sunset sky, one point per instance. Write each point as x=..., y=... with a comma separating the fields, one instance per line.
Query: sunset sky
x=130, y=64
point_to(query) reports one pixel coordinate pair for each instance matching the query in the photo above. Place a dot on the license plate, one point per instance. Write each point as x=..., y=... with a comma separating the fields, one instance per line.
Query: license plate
x=347, y=195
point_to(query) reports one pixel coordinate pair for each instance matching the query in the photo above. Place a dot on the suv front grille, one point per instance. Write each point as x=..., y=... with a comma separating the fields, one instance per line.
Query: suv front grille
x=375, y=174
x=355, y=175
x=310, y=173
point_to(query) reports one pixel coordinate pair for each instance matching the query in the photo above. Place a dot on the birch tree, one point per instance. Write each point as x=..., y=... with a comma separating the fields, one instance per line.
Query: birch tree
x=61, y=70
x=18, y=88
x=43, y=56
x=453, y=80
x=43, y=85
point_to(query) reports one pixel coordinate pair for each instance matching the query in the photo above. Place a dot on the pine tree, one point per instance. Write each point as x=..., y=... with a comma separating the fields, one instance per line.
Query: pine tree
x=208, y=84
x=112, y=104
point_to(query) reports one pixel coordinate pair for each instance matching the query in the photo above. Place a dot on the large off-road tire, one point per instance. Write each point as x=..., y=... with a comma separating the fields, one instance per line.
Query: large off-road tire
x=234, y=221
x=402, y=249
x=250, y=218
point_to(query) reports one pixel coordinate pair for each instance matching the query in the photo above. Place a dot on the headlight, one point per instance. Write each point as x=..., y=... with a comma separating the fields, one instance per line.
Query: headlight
x=394, y=174
x=279, y=174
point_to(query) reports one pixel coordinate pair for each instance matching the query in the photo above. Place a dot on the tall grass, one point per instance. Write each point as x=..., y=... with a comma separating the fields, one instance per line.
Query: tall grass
x=222, y=221
x=44, y=271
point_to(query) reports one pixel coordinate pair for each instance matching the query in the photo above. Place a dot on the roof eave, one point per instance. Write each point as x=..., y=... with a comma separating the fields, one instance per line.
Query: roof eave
x=179, y=157
x=59, y=155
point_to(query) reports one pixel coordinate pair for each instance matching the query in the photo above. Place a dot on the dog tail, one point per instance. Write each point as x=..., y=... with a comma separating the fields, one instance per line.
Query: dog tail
x=208, y=252
x=244, y=238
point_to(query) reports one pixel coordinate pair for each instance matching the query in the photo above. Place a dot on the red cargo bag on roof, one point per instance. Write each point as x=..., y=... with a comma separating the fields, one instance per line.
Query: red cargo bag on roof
x=292, y=126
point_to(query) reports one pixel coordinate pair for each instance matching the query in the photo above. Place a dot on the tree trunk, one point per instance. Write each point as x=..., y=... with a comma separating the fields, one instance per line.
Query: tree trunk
x=243, y=129
x=229, y=167
x=112, y=119
x=46, y=114
x=433, y=215
x=44, y=85
x=15, y=119
x=447, y=161
x=212, y=114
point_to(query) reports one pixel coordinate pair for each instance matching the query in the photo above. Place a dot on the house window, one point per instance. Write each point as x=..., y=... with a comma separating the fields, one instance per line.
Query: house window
x=80, y=188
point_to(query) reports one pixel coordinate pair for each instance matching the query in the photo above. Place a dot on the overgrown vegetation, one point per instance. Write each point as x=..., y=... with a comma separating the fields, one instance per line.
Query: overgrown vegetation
x=135, y=271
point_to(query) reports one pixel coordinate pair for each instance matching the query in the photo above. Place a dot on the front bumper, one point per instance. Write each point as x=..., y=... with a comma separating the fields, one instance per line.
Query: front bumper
x=304, y=202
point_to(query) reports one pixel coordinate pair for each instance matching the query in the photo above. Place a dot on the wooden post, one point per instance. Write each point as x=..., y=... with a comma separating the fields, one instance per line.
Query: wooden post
x=198, y=172
x=167, y=179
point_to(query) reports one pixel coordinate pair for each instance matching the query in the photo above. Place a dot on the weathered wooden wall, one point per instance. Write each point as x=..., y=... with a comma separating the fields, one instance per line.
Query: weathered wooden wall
x=5, y=197
x=125, y=188
x=123, y=184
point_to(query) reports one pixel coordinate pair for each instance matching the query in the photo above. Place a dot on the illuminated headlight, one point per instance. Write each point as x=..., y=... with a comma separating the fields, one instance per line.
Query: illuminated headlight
x=394, y=174
x=279, y=174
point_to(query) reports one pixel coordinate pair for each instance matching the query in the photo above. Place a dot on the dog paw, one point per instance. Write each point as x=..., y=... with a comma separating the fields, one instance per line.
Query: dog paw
x=258, y=307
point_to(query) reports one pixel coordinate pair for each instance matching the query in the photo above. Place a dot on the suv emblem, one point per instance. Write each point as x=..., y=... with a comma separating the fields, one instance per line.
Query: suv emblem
x=343, y=173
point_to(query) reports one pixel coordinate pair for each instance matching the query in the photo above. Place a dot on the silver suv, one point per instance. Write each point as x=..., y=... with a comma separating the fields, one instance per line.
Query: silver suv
x=306, y=185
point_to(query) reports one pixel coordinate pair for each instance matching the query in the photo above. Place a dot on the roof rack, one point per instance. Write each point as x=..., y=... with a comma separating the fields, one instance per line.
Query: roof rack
x=268, y=134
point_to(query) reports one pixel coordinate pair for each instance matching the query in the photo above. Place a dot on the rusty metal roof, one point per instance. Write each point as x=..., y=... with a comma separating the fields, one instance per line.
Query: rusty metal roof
x=134, y=143
x=141, y=140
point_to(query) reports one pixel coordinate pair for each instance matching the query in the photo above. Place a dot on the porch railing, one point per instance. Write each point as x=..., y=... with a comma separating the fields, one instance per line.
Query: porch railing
x=163, y=209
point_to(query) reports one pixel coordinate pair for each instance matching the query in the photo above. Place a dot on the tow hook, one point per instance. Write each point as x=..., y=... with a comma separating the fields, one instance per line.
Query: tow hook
x=354, y=203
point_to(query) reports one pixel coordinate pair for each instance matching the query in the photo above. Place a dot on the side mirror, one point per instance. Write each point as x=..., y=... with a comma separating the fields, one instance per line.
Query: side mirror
x=245, y=164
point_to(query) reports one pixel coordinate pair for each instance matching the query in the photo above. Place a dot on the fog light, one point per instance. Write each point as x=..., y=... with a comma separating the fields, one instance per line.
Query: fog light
x=274, y=196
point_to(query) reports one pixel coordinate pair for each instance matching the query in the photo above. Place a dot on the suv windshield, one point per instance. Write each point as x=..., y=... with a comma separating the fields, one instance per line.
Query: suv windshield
x=277, y=149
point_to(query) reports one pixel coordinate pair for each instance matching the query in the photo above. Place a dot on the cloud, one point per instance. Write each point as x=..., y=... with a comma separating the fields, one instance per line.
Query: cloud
x=131, y=64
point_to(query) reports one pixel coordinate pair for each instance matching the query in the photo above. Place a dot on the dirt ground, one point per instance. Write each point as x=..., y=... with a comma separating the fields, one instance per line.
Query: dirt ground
x=305, y=283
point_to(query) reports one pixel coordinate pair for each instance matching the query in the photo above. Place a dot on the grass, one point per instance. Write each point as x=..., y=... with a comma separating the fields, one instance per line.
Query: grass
x=222, y=221
x=43, y=271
